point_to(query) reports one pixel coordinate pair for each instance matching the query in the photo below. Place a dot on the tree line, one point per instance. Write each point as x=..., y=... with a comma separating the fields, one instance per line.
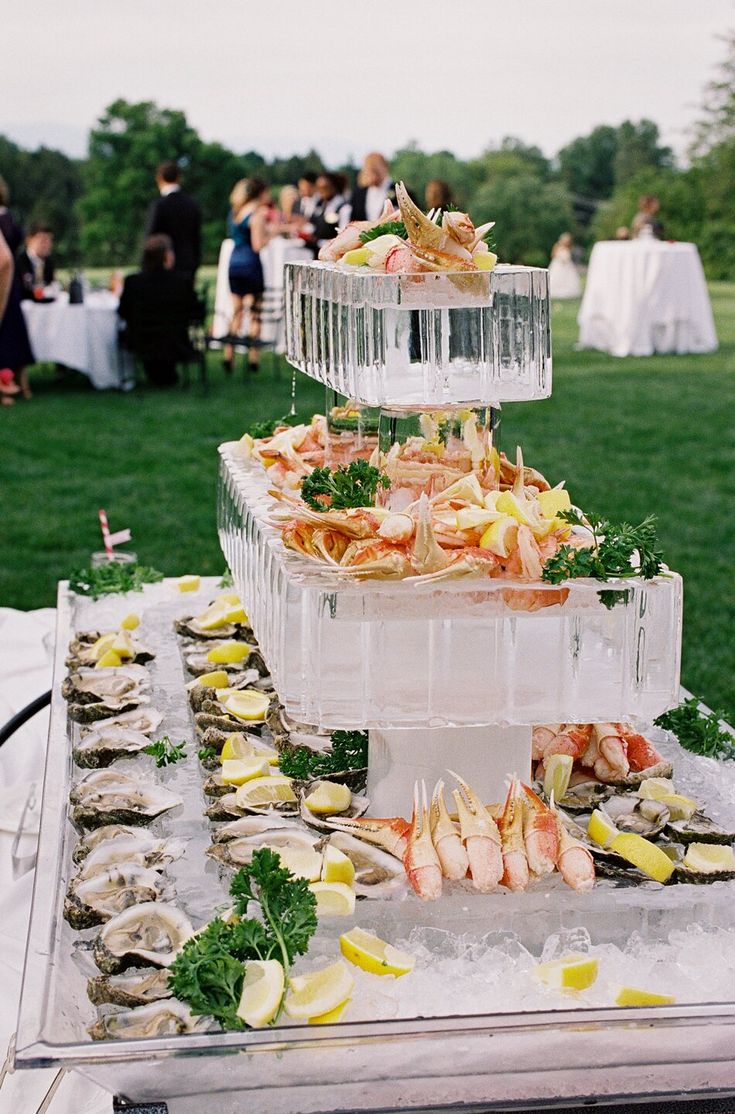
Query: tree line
x=98, y=205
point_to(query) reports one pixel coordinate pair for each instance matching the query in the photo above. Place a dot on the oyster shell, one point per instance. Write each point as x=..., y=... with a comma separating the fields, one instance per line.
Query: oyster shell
x=630, y=813
x=108, y=797
x=252, y=825
x=284, y=729
x=158, y=1019
x=104, y=745
x=358, y=806
x=190, y=628
x=212, y=715
x=214, y=786
x=635, y=777
x=139, y=847
x=145, y=720
x=607, y=863
x=114, y=686
x=227, y=808
x=149, y=934
x=236, y=852
x=93, y=900
x=699, y=829
x=134, y=988
x=81, y=653
x=91, y=839
x=377, y=874
x=585, y=796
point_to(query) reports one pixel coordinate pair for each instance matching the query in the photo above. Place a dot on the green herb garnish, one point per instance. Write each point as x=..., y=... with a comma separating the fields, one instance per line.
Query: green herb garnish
x=388, y=228
x=617, y=551
x=348, y=751
x=698, y=731
x=352, y=486
x=165, y=752
x=227, y=580
x=268, y=427
x=207, y=752
x=111, y=578
x=208, y=973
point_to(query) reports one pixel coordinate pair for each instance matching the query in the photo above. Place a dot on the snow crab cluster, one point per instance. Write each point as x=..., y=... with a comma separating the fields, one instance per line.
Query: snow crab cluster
x=613, y=753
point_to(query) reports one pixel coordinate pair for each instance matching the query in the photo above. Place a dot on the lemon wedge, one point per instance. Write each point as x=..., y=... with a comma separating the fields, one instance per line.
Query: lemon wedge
x=236, y=771
x=247, y=704
x=131, y=621
x=601, y=828
x=228, y=598
x=234, y=613
x=238, y=746
x=213, y=618
x=653, y=788
x=519, y=509
x=476, y=518
x=123, y=645
x=485, y=260
x=680, y=807
x=108, y=659
x=554, y=501
x=216, y=679
x=229, y=653
x=643, y=854
x=303, y=862
x=260, y=791
x=500, y=536
x=709, y=858
x=333, y=899
x=262, y=991
x=103, y=643
x=337, y=867
x=374, y=955
x=189, y=583
x=331, y=1015
x=329, y=797
x=631, y=996
x=573, y=972
x=356, y=258
x=557, y=772
x=320, y=992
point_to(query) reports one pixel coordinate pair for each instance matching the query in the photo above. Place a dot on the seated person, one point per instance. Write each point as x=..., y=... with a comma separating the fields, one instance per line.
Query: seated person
x=35, y=265
x=157, y=305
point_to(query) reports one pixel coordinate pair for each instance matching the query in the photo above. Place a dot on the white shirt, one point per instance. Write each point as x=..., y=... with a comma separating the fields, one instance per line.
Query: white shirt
x=375, y=199
x=172, y=187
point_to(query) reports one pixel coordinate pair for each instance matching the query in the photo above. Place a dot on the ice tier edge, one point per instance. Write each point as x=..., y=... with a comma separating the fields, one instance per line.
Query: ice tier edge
x=391, y=654
x=421, y=340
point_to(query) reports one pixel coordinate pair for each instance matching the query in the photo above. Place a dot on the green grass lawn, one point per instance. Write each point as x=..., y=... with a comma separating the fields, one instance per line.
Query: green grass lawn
x=630, y=436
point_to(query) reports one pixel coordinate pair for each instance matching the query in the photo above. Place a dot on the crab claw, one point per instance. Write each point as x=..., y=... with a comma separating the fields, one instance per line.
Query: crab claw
x=420, y=860
x=480, y=837
x=510, y=825
x=446, y=838
x=540, y=833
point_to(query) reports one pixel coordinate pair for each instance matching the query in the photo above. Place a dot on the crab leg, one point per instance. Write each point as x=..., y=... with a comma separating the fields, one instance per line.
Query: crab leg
x=446, y=838
x=575, y=862
x=510, y=825
x=480, y=837
x=421, y=861
x=540, y=834
x=391, y=834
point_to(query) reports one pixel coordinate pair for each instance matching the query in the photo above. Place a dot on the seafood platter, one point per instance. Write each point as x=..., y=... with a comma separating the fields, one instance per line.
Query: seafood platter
x=388, y=824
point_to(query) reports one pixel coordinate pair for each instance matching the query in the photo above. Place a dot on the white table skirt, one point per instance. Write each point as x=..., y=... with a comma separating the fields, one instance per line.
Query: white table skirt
x=646, y=296
x=83, y=337
x=273, y=258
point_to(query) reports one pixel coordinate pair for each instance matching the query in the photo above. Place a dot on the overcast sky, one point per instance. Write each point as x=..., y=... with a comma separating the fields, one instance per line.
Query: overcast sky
x=347, y=76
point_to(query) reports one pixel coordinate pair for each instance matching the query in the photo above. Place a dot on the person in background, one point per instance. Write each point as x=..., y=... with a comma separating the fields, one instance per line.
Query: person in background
x=15, y=347
x=308, y=198
x=438, y=194
x=157, y=305
x=35, y=264
x=178, y=216
x=288, y=215
x=248, y=227
x=8, y=387
x=622, y=232
x=563, y=276
x=646, y=222
x=331, y=212
x=374, y=187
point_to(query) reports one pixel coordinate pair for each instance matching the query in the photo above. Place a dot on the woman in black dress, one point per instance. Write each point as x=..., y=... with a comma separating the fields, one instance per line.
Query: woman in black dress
x=15, y=348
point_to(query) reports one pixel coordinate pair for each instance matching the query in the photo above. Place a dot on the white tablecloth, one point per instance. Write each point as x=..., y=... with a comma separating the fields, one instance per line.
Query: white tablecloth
x=83, y=337
x=26, y=648
x=646, y=296
x=273, y=258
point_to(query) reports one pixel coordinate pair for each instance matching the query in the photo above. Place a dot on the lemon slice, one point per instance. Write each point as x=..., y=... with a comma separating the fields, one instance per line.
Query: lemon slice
x=234, y=613
x=331, y=1015
x=247, y=704
x=518, y=509
x=485, y=260
x=374, y=955
x=109, y=658
x=709, y=858
x=337, y=867
x=320, y=992
x=238, y=746
x=631, y=996
x=189, y=583
x=680, y=807
x=329, y=797
x=476, y=518
x=303, y=862
x=653, y=788
x=230, y=599
x=236, y=771
x=123, y=645
x=573, y=972
x=131, y=621
x=262, y=991
x=213, y=618
x=217, y=679
x=333, y=899
x=554, y=501
x=601, y=828
x=103, y=643
x=557, y=772
x=356, y=258
x=261, y=791
x=500, y=536
x=645, y=855
x=229, y=653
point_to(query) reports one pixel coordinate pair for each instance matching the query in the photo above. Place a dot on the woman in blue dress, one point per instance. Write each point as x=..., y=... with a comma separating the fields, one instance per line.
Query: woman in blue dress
x=247, y=226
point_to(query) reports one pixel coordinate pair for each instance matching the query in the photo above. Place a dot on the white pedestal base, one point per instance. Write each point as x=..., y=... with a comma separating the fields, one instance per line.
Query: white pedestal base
x=483, y=756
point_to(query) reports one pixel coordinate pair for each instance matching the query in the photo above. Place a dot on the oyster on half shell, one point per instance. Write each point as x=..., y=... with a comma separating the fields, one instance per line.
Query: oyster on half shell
x=158, y=1019
x=93, y=900
x=104, y=745
x=630, y=813
x=82, y=654
x=133, y=988
x=699, y=829
x=190, y=628
x=239, y=851
x=357, y=807
x=140, y=847
x=145, y=720
x=114, y=686
x=90, y=840
x=149, y=934
x=377, y=874
x=108, y=797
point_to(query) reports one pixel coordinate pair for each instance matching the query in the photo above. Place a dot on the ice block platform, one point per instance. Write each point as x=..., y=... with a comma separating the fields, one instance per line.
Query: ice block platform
x=421, y=341
x=457, y=653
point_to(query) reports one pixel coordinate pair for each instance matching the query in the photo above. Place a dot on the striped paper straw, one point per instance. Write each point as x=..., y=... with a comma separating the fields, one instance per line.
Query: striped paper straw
x=106, y=534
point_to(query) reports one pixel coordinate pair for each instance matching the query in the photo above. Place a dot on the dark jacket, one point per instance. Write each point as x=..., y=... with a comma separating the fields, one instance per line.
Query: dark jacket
x=359, y=198
x=157, y=308
x=24, y=271
x=179, y=217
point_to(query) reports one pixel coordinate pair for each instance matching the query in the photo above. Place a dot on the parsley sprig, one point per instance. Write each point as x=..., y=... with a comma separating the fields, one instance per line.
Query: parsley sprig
x=268, y=427
x=698, y=731
x=617, y=551
x=209, y=971
x=388, y=228
x=111, y=578
x=165, y=752
x=353, y=485
x=348, y=751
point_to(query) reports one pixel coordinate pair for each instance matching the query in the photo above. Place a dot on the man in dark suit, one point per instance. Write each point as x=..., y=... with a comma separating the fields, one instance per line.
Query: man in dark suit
x=178, y=216
x=157, y=306
x=35, y=265
x=374, y=187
